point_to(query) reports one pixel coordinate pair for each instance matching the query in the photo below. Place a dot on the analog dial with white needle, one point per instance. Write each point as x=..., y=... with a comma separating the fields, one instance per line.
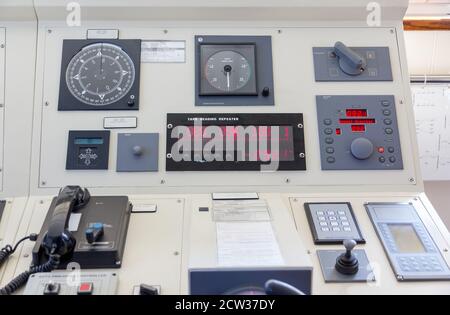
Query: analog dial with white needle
x=227, y=71
x=100, y=74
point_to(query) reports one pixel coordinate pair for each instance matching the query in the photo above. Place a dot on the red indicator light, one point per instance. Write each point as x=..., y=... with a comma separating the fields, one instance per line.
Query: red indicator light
x=380, y=150
x=357, y=121
x=356, y=112
x=338, y=131
x=358, y=128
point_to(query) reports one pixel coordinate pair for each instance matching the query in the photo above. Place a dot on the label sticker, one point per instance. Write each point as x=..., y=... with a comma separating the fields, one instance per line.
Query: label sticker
x=163, y=51
x=119, y=122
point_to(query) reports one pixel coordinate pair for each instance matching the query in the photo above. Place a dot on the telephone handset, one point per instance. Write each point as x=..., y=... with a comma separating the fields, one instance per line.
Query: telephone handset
x=58, y=240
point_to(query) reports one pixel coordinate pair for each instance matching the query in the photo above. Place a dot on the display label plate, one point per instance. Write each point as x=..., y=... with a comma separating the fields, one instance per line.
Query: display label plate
x=119, y=122
x=163, y=51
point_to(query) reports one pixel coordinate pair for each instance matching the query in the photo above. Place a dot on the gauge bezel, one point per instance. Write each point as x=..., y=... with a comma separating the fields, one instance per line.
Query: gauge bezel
x=129, y=101
x=246, y=50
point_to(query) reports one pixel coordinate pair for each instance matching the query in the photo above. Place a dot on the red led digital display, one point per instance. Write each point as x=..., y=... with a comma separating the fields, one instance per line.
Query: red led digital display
x=358, y=128
x=357, y=121
x=356, y=112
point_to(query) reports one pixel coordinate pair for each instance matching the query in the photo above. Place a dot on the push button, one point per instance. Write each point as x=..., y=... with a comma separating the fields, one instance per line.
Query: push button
x=327, y=122
x=52, y=289
x=328, y=131
x=386, y=112
x=385, y=103
x=329, y=140
x=388, y=131
x=86, y=288
x=331, y=159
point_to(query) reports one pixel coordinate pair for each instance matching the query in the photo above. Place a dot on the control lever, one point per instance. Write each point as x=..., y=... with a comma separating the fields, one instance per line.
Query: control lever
x=94, y=232
x=347, y=263
x=350, y=61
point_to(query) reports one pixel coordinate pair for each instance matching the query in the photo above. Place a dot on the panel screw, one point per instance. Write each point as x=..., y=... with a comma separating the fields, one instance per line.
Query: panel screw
x=1, y=105
x=287, y=180
x=169, y=155
x=308, y=252
x=169, y=126
x=165, y=31
x=401, y=101
x=2, y=46
x=43, y=183
x=445, y=250
x=295, y=200
x=176, y=253
x=46, y=103
x=179, y=200
x=300, y=126
x=280, y=31
x=26, y=255
x=41, y=202
x=49, y=31
x=200, y=39
x=392, y=31
x=412, y=179
x=162, y=182
x=302, y=155
x=1, y=169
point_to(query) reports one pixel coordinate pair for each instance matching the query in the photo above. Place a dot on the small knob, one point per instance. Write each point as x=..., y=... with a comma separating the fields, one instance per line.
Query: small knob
x=361, y=148
x=265, y=92
x=138, y=150
x=347, y=263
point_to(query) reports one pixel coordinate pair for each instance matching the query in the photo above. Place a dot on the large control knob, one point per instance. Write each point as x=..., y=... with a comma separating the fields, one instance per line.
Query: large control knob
x=350, y=61
x=361, y=148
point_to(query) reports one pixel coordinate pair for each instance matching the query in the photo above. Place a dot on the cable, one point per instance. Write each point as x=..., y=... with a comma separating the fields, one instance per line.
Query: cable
x=8, y=250
x=20, y=280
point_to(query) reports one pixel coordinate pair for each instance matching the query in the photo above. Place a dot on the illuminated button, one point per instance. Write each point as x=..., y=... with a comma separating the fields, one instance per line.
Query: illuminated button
x=334, y=224
x=325, y=229
x=332, y=218
x=385, y=103
x=331, y=159
x=319, y=212
x=341, y=212
x=380, y=150
x=387, y=121
x=347, y=229
x=86, y=288
x=336, y=229
x=388, y=131
x=344, y=218
x=330, y=213
x=328, y=131
x=391, y=149
x=327, y=122
x=381, y=159
x=323, y=224
x=329, y=140
x=386, y=112
x=345, y=223
x=330, y=150
x=322, y=219
x=392, y=159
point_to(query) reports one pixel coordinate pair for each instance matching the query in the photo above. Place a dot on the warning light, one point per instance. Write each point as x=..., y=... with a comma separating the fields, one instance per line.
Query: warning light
x=338, y=131
x=380, y=150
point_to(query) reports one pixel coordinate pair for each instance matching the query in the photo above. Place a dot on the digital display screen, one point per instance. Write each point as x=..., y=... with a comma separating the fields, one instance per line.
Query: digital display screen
x=356, y=121
x=247, y=144
x=356, y=112
x=88, y=141
x=406, y=238
x=358, y=128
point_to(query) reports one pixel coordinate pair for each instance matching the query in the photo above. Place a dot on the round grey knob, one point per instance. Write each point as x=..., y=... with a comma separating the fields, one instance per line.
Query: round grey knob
x=349, y=244
x=138, y=150
x=361, y=148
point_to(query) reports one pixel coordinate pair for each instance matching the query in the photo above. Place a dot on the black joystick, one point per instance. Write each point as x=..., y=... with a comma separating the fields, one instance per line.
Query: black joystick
x=347, y=263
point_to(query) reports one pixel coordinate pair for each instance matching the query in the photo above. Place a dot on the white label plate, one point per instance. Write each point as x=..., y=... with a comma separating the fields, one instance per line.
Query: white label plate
x=163, y=51
x=119, y=122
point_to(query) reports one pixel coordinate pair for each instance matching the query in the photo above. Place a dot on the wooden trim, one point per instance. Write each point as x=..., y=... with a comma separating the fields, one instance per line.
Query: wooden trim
x=426, y=25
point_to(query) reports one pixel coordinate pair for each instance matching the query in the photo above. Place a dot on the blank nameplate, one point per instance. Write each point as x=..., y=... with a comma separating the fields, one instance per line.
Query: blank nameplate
x=144, y=208
x=235, y=196
x=102, y=34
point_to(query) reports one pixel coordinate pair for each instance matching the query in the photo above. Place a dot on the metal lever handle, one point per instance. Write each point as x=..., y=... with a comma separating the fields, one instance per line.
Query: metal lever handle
x=350, y=61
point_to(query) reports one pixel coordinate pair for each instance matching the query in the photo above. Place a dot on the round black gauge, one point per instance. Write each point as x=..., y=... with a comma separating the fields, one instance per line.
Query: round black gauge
x=100, y=74
x=228, y=70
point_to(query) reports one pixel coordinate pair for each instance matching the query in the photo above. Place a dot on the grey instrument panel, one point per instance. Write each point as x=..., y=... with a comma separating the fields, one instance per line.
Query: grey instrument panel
x=410, y=248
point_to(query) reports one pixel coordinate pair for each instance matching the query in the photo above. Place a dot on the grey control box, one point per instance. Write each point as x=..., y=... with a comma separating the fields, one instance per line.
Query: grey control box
x=358, y=132
x=410, y=248
x=326, y=65
x=137, y=152
x=72, y=283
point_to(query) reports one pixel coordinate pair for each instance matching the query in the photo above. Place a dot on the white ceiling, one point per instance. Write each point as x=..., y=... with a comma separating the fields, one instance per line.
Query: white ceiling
x=429, y=8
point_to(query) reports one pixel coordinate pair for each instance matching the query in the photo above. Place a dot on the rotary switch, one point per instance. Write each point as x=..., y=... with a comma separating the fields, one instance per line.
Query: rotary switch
x=361, y=148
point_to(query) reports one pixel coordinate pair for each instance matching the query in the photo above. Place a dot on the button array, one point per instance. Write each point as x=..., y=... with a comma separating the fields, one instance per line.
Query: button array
x=388, y=131
x=335, y=221
x=423, y=263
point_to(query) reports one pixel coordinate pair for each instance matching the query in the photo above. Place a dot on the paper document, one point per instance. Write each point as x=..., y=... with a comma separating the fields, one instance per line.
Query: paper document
x=240, y=210
x=247, y=244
